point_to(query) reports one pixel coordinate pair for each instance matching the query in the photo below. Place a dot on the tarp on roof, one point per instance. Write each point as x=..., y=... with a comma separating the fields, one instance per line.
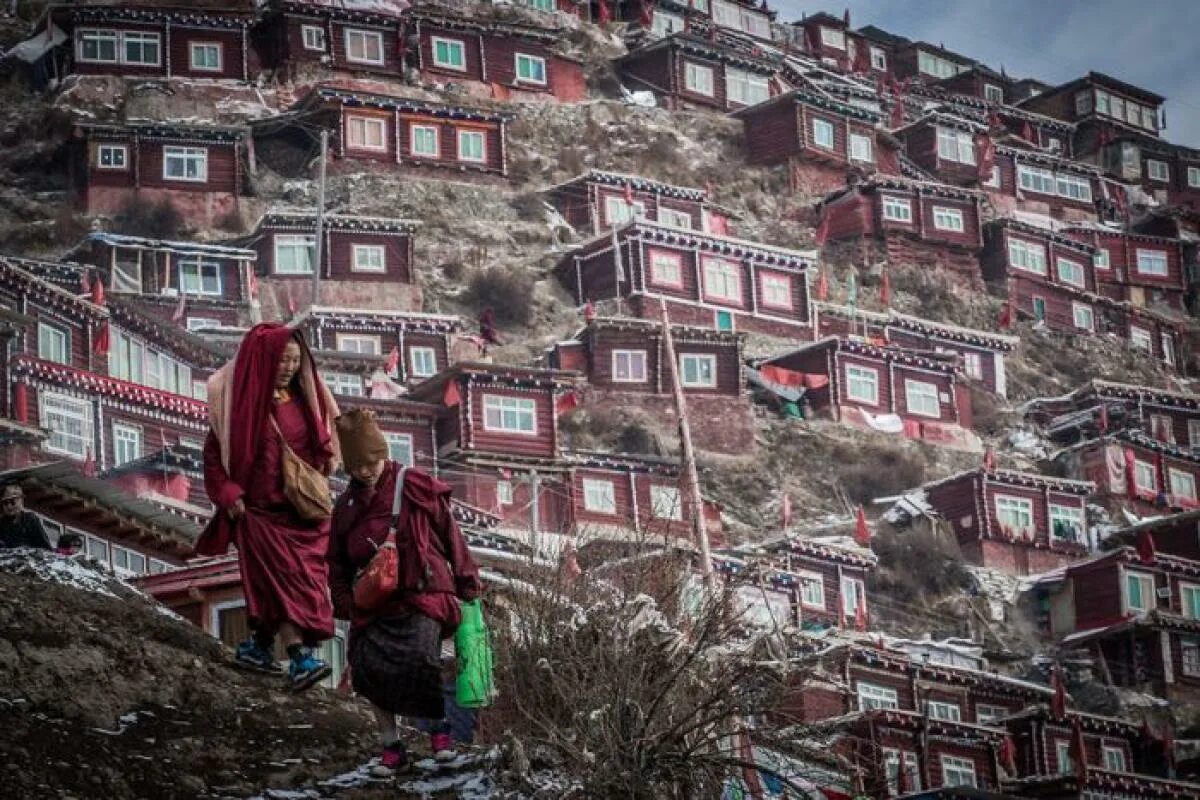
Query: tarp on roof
x=37, y=45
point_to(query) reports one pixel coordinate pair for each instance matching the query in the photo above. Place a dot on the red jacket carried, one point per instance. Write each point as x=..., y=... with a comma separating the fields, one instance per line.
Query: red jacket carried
x=436, y=568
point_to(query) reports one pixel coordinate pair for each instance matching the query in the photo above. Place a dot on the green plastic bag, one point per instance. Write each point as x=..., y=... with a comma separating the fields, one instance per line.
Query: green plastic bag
x=474, y=685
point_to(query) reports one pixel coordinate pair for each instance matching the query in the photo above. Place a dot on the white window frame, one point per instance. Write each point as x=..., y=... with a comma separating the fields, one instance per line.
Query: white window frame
x=1062, y=755
x=666, y=502
x=832, y=37
x=823, y=134
x=746, y=87
x=1157, y=170
x=634, y=363
x=464, y=135
x=112, y=150
x=722, y=279
x=993, y=93
x=973, y=365
x=1027, y=256
x=193, y=324
x=216, y=47
x=936, y=66
x=958, y=771
x=1193, y=426
x=127, y=443
x=354, y=342
x=504, y=493
x=1182, y=484
x=1189, y=600
x=698, y=79
x=1069, y=514
x=871, y=696
x=666, y=23
x=897, y=209
x=415, y=133
x=452, y=46
x=1036, y=179
x=313, y=37
x=1015, y=509
x=185, y=156
x=1145, y=476
x=1102, y=260
x=400, y=447
x=54, y=343
x=98, y=36
x=812, y=590
x=856, y=376
x=777, y=291
x=1067, y=270
x=923, y=393
x=878, y=59
x=697, y=361
x=1140, y=339
x=895, y=760
x=1145, y=582
x=599, y=496
x=854, y=592
x=363, y=37
x=142, y=38
x=368, y=258
x=344, y=383
x=364, y=132
x=618, y=210
x=986, y=713
x=948, y=219
x=538, y=61
x=1193, y=177
x=422, y=362
x=665, y=260
x=675, y=218
x=496, y=407
x=1153, y=262
x=1114, y=758
x=52, y=405
x=955, y=145
x=861, y=148
x=299, y=243
x=1167, y=342
x=1190, y=657
x=200, y=271
x=942, y=709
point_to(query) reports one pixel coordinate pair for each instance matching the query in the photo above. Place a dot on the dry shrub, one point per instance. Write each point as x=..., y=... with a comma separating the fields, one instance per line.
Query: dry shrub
x=230, y=221
x=153, y=220
x=69, y=227
x=507, y=292
x=871, y=471
x=916, y=564
x=986, y=412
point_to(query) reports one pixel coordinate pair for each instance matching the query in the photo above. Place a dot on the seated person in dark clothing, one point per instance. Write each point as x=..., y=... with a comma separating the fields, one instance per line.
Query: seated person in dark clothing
x=69, y=544
x=18, y=527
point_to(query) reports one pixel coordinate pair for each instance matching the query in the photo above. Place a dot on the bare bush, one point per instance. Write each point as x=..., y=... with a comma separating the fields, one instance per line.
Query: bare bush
x=152, y=220
x=507, y=292
x=870, y=472
x=917, y=564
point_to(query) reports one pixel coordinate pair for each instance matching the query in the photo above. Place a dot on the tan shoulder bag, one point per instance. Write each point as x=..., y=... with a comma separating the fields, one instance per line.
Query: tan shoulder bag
x=304, y=487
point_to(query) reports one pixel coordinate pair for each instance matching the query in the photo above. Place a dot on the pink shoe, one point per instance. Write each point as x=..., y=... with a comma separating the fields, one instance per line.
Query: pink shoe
x=442, y=746
x=393, y=759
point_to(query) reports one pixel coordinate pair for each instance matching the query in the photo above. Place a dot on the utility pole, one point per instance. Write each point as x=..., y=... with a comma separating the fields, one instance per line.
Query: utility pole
x=689, y=455
x=318, y=247
x=535, y=483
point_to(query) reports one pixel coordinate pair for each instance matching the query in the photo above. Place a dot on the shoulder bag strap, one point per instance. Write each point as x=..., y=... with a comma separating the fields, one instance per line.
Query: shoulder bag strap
x=398, y=499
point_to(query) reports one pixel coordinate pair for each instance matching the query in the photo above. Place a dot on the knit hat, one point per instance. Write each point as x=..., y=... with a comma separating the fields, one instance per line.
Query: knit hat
x=362, y=441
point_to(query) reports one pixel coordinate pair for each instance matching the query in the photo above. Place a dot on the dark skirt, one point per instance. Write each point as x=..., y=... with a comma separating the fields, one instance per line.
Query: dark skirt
x=395, y=662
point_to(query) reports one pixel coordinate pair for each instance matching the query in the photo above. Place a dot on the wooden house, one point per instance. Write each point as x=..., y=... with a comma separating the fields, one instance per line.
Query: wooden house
x=349, y=37
x=143, y=39
x=1095, y=102
x=424, y=344
x=661, y=18
x=1162, y=336
x=197, y=169
x=927, y=62
x=908, y=222
x=379, y=128
x=690, y=71
x=1130, y=467
x=211, y=283
x=622, y=359
x=1134, y=267
x=882, y=387
x=1045, y=133
x=831, y=40
x=1017, y=522
x=1100, y=407
x=493, y=58
x=620, y=497
x=981, y=354
x=1049, y=276
x=705, y=280
x=170, y=475
x=981, y=82
x=408, y=426
x=596, y=201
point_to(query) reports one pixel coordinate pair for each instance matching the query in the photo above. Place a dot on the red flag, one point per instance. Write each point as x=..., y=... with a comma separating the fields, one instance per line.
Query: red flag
x=896, y=115
x=1103, y=423
x=885, y=289
x=822, y=233
x=589, y=312
x=89, y=464
x=902, y=782
x=253, y=285
x=393, y=360
x=1145, y=546
x=451, y=397
x=1168, y=743
x=1161, y=431
x=989, y=460
x=1027, y=132
x=566, y=402
x=1078, y=752
x=993, y=121
x=1130, y=473
x=181, y=309
x=629, y=193
x=21, y=402
x=1058, y=703
x=1008, y=755
x=85, y=281
x=862, y=534
x=785, y=510
x=291, y=300
x=985, y=156
x=569, y=563
x=603, y=13
x=1006, y=316
x=822, y=285
x=98, y=291
x=505, y=473
x=860, y=614
x=101, y=344
x=647, y=13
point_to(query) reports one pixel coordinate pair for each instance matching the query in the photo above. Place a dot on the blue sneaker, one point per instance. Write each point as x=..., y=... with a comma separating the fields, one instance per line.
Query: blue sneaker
x=251, y=655
x=306, y=670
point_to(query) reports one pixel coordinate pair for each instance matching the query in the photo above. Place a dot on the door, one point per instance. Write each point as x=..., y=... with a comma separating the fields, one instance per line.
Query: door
x=724, y=321
x=1039, y=309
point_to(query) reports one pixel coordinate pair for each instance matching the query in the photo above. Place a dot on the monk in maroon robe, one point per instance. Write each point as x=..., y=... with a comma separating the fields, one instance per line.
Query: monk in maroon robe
x=271, y=393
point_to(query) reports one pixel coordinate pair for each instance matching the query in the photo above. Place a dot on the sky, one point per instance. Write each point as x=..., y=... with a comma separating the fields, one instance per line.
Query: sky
x=1148, y=43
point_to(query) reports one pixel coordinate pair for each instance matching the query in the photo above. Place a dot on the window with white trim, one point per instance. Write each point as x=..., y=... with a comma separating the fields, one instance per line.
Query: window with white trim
x=698, y=79
x=921, y=398
x=1073, y=187
x=832, y=37
x=1066, y=524
x=472, y=146
x=422, y=362
x=127, y=357
x=400, y=447
x=1193, y=426
x=1189, y=600
x=666, y=23
x=1015, y=514
x=939, y=709
x=812, y=590
x=957, y=771
x=993, y=180
x=698, y=370
x=599, y=496
x=666, y=502
x=1151, y=262
x=955, y=145
x=860, y=148
x=423, y=141
x=618, y=210
x=1071, y=272
x=127, y=443
x=936, y=66
x=112, y=156
x=126, y=562
x=69, y=421
x=854, y=595
x=1190, y=652
x=993, y=93
x=1062, y=755
x=98, y=47
x=510, y=414
x=1183, y=484
x=1139, y=591
x=666, y=269
x=364, y=47
x=54, y=343
x=985, y=714
x=200, y=323
x=366, y=133
x=205, y=56
x=504, y=493
x=872, y=696
x=878, y=58
x=360, y=343
x=531, y=69
x=822, y=131
x=777, y=290
x=368, y=258
x=1157, y=170
x=674, y=218
x=166, y=373
x=897, y=209
x=1036, y=179
x=294, y=254
x=892, y=759
x=1168, y=348
x=973, y=365
x=1114, y=758
x=629, y=366
x=199, y=276
x=449, y=53
x=141, y=48
x=1193, y=177
x=1102, y=259
x=1027, y=256
x=745, y=87
x=1139, y=339
x=344, y=383
x=185, y=164
x=948, y=219
x=313, y=37
x=722, y=280
x=862, y=384
x=1144, y=476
